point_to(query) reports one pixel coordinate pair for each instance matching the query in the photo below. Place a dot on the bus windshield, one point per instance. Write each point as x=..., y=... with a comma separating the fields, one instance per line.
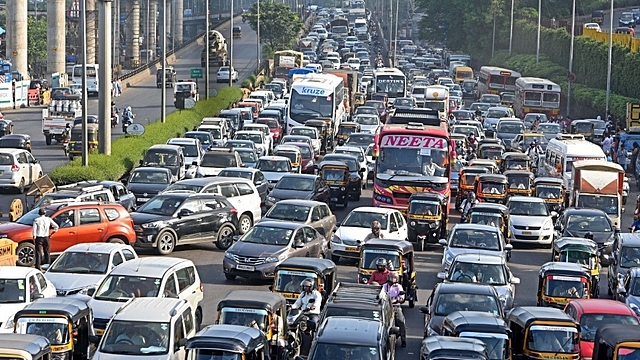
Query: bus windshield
x=310, y=106
x=398, y=159
x=393, y=86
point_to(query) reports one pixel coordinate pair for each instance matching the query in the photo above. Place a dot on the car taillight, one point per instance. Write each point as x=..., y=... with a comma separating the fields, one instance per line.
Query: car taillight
x=15, y=168
x=201, y=287
x=234, y=211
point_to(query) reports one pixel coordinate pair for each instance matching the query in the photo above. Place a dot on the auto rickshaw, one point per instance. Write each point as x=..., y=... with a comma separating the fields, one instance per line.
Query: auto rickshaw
x=427, y=218
x=345, y=129
x=360, y=99
x=490, y=140
x=491, y=152
x=486, y=327
x=323, y=132
x=266, y=312
x=579, y=251
x=543, y=333
x=520, y=182
x=336, y=175
x=467, y=179
x=585, y=128
x=491, y=188
x=552, y=191
x=293, y=270
x=446, y=347
x=559, y=282
x=491, y=214
x=66, y=322
x=489, y=164
x=291, y=152
x=75, y=143
x=232, y=341
x=515, y=161
x=399, y=256
x=24, y=347
x=616, y=342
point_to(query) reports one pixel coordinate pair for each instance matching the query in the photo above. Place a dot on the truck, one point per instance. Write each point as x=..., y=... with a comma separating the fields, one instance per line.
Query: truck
x=350, y=79
x=340, y=27
x=57, y=118
x=217, y=51
x=285, y=60
x=598, y=184
x=436, y=97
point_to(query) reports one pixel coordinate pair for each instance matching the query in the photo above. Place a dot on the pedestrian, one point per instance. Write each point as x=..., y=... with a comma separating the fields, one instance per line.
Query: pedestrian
x=606, y=143
x=118, y=87
x=622, y=156
x=40, y=232
x=634, y=157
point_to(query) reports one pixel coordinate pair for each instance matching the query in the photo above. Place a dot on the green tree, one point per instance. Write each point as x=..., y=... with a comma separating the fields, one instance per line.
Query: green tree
x=279, y=26
x=37, y=40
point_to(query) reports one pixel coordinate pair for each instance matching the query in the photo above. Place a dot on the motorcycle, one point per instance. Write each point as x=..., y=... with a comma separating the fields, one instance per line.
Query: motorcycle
x=114, y=120
x=300, y=331
x=127, y=119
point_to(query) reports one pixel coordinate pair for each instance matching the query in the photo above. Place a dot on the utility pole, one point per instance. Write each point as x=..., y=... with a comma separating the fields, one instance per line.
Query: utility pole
x=83, y=32
x=258, y=32
x=231, y=45
x=511, y=27
x=206, y=47
x=573, y=32
x=163, y=99
x=610, y=60
x=104, y=75
x=539, y=23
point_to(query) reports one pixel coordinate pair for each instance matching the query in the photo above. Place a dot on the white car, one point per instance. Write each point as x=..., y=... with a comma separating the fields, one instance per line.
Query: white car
x=311, y=133
x=369, y=123
x=530, y=221
x=257, y=137
x=357, y=225
x=354, y=63
x=265, y=130
x=18, y=169
x=474, y=238
x=360, y=155
x=223, y=74
x=594, y=26
x=322, y=33
x=20, y=287
x=193, y=153
x=334, y=61
x=84, y=266
x=274, y=168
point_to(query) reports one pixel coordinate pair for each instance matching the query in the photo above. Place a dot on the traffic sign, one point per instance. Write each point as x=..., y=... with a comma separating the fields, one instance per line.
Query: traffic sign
x=135, y=129
x=571, y=77
x=196, y=73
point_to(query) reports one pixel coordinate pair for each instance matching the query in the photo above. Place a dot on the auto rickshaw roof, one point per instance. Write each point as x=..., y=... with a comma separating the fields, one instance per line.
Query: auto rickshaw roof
x=564, y=268
x=549, y=180
x=90, y=126
x=491, y=146
x=319, y=266
x=583, y=244
x=232, y=338
x=490, y=208
x=33, y=344
x=581, y=122
x=515, y=156
x=475, y=169
x=492, y=178
x=333, y=163
x=517, y=173
x=483, y=162
x=476, y=321
x=455, y=346
x=428, y=196
x=349, y=124
x=402, y=246
x=252, y=299
x=315, y=123
x=72, y=308
x=525, y=315
x=612, y=334
x=490, y=141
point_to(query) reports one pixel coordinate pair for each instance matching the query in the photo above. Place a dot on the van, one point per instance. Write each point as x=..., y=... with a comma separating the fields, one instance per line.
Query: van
x=219, y=122
x=144, y=325
x=166, y=156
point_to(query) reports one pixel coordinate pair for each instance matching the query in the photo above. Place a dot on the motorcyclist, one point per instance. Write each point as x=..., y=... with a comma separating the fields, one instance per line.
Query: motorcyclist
x=375, y=231
x=396, y=293
x=478, y=114
x=534, y=150
x=304, y=303
x=472, y=142
x=114, y=113
x=381, y=274
x=127, y=118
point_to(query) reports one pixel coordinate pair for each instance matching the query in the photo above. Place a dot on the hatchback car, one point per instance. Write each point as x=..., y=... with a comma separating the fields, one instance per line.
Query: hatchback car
x=223, y=74
x=494, y=114
x=530, y=220
x=254, y=175
x=21, y=286
x=310, y=132
x=474, y=238
x=490, y=99
x=360, y=140
x=507, y=129
x=18, y=169
x=274, y=168
x=313, y=213
x=577, y=222
x=267, y=244
x=206, y=139
x=191, y=148
x=146, y=182
x=16, y=141
x=625, y=257
x=216, y=159
x=257, y=137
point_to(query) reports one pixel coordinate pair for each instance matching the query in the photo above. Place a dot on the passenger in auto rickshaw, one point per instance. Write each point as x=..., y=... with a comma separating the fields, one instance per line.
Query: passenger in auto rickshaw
x=560, y=282
x=520, y=182
x=491, y=152
x=515, y=161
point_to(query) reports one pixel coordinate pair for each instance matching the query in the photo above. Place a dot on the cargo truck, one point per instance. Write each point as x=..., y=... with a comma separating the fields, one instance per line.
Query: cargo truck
x=436, y=98
x=57, y=118
x=350, y=79
x=217, y=49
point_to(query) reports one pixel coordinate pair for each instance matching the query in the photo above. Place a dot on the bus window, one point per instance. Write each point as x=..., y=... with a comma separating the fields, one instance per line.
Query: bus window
x=532, y=98
x=551, y=97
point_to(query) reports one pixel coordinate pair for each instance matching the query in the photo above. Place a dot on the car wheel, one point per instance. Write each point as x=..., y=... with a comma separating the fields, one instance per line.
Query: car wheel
x=230, y=277
x=166, y=243
x=225, y=238
x=245, y=223
x=115, y=240
x=26, y=254
x=21, y=186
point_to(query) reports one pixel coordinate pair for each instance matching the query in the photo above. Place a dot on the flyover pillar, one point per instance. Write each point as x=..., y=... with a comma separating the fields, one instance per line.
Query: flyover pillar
x=133, y=32
x=17, y=36
x=153, y=9
x=179, y=16
x=91, y=31
x=56, y=33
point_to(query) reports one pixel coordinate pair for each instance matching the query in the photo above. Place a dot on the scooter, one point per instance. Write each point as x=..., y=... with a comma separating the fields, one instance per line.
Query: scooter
x=126, y=121
x=300, y=332
x=115, y=120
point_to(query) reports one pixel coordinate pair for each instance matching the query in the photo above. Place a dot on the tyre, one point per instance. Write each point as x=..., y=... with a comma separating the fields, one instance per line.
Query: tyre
x=26, y=254
x=21, y=186
x=47, y=139
x=225, y=238
x=245, y=223
x=166, y=243
x=115, y=240
x=229, y=277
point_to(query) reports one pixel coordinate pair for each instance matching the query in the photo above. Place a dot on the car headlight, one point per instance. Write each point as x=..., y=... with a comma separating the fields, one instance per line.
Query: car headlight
x=272, y=259
x=343, y=188
x=9, y=323
x=336, y=239
x=412, y=223
x=151, y=225
x=271, y=198
x=228, y=255
x=547, y=226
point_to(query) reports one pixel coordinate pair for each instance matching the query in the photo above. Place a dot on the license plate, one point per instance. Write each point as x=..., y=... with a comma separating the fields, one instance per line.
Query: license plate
x=246, y=268
x=332, y=199
x=143, y=199
x=351, y=248
x=99, y=332
x=526, y=233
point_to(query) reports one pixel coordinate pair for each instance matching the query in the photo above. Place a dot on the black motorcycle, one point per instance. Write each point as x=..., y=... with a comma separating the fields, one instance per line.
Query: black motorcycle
x=301, y=331
x=127, y=119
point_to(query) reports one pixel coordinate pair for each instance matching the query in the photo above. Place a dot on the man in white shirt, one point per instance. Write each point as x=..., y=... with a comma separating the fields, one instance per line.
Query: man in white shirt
x=606, y=144
x=309, y=302
x=40, y=233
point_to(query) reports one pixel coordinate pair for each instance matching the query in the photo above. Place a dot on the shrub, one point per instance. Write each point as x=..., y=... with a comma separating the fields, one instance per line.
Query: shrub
x=127, y=151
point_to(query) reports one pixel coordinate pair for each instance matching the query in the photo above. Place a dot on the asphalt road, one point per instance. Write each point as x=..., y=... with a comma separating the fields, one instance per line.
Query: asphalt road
x=616, y=15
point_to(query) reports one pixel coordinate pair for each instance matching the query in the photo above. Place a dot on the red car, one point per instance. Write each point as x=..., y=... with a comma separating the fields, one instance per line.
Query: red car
x=274, y=127
x=381, y=107
x=308, y=157
x=592, y=313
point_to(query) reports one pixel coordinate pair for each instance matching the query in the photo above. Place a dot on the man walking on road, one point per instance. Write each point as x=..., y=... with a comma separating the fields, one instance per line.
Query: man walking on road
x=40, y=232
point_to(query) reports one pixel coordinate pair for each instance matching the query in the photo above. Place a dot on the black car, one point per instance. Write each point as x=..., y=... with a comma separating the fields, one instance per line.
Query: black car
x=147, y=182
x=6, y=127
x=299, y=186
x=254, y=175
x=16, y=141
x=174, y=219
x=91, y=119
x=355, y=178
x=626, y=255
x=577, y=222
x=361, y=140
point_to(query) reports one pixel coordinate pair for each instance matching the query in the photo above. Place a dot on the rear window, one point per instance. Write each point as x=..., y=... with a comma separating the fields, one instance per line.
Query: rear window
x=6, y=159
x=218, y=160
x=111, y=213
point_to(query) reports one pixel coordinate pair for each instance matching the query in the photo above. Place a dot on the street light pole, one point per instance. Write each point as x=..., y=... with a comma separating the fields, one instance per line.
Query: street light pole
x=493, y=40
x=163, y=99
x=539, y=23
x=396, y=33
x=85, y=143
x=610, y=59
x=573, y=31
x=258, y=32
x=390, y=29
x=231, y=45
x=511, y=27
x=104, y=75
x=206, y=52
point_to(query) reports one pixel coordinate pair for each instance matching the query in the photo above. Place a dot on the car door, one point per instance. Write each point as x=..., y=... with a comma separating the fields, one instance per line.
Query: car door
x=402, y=225
x=67, y=233
x=393, y=227
x=322, y=191
x=34, y=167
x=91, y=225
x=178, y=332
x=230, y=191
x=328, y=221
x=46, y=288
x=188, y=224
x=187, y=287
x=123, y=196
x=211, y=215
x=25, y=167
x=312, y=242
x=316, y=219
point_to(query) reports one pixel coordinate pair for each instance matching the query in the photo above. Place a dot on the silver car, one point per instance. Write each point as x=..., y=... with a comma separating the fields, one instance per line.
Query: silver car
x=476, y=239
x=530, y=221
x=484, y=269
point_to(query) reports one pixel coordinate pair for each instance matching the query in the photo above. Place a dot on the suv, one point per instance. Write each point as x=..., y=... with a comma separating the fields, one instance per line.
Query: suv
x=18, y=169
x=625, y=255
x=191, y=147
x=154, y=277
x=530, y=220
x=80, y=222
x=172, y=219
x=77, y=192
x=362, y=338
x=217, y=159
x=148, y=323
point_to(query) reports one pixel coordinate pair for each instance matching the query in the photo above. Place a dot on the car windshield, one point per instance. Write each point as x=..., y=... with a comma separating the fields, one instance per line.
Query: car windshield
x=274, y=165
x=347, y=151
x=235, y=173
x=510, y=128
x=136, y=338
x=81, y=263
x=123, y=287
x=367, y=120
x=490, y=98
x=549, y=128
x=12, y=291
x=553, y=339
x=289, y=212
x=364, y=219
x=630, y=257
x=271, y=124
x=367, y=110
x=256, y=138
x=190, y=150
x=593, y=223
x=311, y=133
x=183, y=187
x=497, y=344
x=28, y=218
x=158, y=158
x=210, y=354
x=161, y=205
x=589, y=323
x=149, y=177
x=526, y=208
x=215, y=132
x=490, y=274
x=565, y=286
x=248, y=157
x=475, y=239
x=371, y=256
x=295, y=183
x=268, y=235
x=359, y=139
x=451, y=302
x=485, y=218
x=218, y=160
x=291, y=155
x=55, y=329
x=466, y=130
x=379, y=105
x=496, y=114
x=343, y=351
x=204, y=138
x=305, y=151
x=608, y=204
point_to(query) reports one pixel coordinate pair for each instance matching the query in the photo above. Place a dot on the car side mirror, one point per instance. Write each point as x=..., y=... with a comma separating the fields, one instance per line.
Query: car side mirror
x=38, y=296
x=195, y=163
x=515, y=280
x=424, y=310
x=298, y=245
x=141, y=162
x=44, y=267
x=508, y=247
x=91, y=291
x=183, y=212
x=315, y=218
x=442, y=242
x=442, y=275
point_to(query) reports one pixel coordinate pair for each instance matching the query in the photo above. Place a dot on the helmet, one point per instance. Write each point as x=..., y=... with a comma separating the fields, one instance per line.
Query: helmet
x=471, y=196
x=128, y=108
x=588, y=235
x=306, y=282
x=113, y=103
x=381, y=262
x=392, y=278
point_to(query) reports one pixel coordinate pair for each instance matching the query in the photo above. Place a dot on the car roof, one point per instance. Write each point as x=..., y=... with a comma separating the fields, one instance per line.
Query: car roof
x=241, y=169
x=299, y=202
x=480, y=259
x=196, y=132
x=97, y=247
x=466, y=288
x=11, y=151
x=518, y=198
x=340, y=330
x=629, y=239
x=274, y=158
x=153, y=266
x=16, y=136
x=468, y=226
x=15, y=272
x=281, y=224
x=583, y=211
x=372, y=209
x=301, y=176
x=165, y=147
x=150, y=309
x=209, y=180
x=602, y=306
x=182, y=141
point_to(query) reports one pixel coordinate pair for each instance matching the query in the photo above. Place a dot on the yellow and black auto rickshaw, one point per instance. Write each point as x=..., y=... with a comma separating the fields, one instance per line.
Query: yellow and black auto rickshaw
x=520, y=182
x=491, y=165
x=466, y=181
x=486, y=327
x=291, y=152
x=427, y=218
x=616, y=342
x=24, y=347
x=66, y=322
x=75, y=143
x=360, y=99
x=585, y=128
x=345, y=129
x=552, y=191
x=543, y=333
x=266, y=312
x=289, y=274
x=496, y=215
x=515, y=161
x=491, y=152
x=324, y=132
x=336, y=175
x=491, y=188
x=559, y=282
x=579, y=251
x=399, y=256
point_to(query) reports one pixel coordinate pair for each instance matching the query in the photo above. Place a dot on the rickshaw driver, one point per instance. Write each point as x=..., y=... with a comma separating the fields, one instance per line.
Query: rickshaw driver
x=375, y=231
x=486, y=220
x=464, y=272
x=293, y=285
x=381, y=274
x=546, y=341
x=243, y=320
x=568, y=291
x=313, y=310
x=396, y=293
x=334, y=176
x=53, y=334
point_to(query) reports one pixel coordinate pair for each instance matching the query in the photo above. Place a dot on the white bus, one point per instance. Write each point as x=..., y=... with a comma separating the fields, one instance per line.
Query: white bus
x=494, y=80
x=536, y=95
x=92, y=77
x=390, y=81
x=317, y=96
